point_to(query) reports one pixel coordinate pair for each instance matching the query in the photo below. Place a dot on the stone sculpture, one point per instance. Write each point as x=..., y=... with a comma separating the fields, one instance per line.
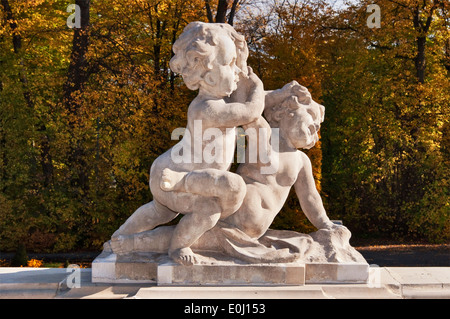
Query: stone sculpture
x=227, y=215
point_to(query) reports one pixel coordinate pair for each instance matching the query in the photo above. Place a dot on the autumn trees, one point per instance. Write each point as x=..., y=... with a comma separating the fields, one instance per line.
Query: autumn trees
x=387, y=98
x=386, y=93
x=84, y=111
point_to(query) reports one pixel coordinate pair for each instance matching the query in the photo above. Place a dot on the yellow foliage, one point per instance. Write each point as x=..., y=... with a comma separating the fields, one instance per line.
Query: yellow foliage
x=385, y=137
x=34, y=263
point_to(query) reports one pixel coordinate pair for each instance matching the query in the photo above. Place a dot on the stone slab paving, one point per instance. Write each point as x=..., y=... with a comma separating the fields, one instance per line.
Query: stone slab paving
x=384, y=283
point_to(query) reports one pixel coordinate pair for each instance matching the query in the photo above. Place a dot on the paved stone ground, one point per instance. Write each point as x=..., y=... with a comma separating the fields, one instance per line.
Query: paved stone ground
x=385, y=283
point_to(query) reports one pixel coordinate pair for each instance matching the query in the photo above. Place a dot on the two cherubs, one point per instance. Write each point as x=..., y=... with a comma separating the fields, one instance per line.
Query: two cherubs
x=212, y=58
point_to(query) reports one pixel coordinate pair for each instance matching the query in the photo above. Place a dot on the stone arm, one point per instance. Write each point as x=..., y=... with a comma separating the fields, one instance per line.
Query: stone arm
x=258, y=133
x=309, y=197
x=244, y=106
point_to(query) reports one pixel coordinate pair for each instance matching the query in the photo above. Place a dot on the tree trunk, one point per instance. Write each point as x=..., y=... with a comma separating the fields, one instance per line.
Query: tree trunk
x=17, y=40
x=209, y=12
x=77, y=74
x=419, y=60
x=447, y=55
x=77, y=77
x=422, y=28
x=232, y=12
x=221, y=15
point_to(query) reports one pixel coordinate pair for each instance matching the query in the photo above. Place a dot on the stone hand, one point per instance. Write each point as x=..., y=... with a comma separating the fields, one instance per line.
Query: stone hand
x=246, y=86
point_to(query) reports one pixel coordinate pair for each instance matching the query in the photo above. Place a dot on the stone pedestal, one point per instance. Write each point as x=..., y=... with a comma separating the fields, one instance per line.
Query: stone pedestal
x=250, y=274
x=159, y=269
x=336, y=273
x=136, y=268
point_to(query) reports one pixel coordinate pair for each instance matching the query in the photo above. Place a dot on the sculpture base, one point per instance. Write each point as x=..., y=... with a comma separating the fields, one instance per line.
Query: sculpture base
x=159, y=269
x=250, y=274
x=336, y=273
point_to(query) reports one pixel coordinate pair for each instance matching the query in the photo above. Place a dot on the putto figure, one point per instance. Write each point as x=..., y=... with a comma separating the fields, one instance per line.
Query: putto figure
x=212, y=59
x=225, y=212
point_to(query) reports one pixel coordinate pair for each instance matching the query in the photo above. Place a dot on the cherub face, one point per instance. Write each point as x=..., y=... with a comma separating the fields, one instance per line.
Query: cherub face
x=300, y=126
x=222, y=79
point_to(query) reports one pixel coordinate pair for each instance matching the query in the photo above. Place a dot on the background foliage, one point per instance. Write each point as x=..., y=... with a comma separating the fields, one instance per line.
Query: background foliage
x=84, y=112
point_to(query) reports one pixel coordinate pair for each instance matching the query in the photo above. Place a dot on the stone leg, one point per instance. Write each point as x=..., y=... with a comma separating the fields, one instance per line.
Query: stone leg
x=145, y=218
x=158, y=241
x=204, y=197
x=229, y=188
x=191, y=227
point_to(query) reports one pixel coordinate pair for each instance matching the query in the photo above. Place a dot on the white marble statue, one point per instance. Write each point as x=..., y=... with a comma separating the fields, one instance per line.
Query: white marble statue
x=224, y=212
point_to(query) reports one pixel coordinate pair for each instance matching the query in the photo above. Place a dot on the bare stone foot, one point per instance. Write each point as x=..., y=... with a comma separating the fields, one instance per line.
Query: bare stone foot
x=185, y=256
x=122, y=244
x=171, y=180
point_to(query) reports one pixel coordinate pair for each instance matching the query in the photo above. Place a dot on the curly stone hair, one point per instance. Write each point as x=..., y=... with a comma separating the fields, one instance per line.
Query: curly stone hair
x=276, y=112
x=197, y=48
